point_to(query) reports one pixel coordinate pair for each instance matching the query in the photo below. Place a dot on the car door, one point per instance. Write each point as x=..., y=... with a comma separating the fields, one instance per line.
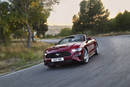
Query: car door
x=90, y=46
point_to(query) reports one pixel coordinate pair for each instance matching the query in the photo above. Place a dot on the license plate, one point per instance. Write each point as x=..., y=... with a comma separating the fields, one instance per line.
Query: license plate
x=57, y=59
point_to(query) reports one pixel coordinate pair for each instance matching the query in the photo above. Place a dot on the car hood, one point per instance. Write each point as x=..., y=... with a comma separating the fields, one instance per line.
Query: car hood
x=64, y=47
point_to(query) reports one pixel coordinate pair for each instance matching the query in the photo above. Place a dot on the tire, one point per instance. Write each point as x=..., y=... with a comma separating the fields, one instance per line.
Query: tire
x=97, y=50
x=86, y=56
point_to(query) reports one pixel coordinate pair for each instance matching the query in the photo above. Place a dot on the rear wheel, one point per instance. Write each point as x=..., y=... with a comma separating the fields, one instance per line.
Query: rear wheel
x=86, y=56
x=97, y=50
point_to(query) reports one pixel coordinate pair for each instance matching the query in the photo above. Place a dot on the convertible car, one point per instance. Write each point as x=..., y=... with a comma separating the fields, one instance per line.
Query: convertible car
x=76, y=48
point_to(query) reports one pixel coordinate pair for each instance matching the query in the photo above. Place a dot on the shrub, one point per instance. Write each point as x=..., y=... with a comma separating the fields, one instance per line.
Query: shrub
x=65, y=32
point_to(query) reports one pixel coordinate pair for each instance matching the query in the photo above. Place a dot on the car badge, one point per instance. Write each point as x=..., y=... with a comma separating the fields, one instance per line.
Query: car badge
x=57, y=54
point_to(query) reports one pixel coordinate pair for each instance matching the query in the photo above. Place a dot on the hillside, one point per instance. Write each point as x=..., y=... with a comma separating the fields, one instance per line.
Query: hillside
x=55, y=29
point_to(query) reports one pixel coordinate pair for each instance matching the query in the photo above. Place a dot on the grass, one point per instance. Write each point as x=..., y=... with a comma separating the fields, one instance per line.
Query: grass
x=16, y=56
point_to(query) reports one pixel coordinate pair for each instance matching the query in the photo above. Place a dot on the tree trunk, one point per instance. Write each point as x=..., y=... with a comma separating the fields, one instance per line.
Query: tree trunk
x=33, y=40
x=29, y=36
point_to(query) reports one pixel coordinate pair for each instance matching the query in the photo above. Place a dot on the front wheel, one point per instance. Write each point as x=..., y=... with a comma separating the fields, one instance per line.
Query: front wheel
x=86, y=56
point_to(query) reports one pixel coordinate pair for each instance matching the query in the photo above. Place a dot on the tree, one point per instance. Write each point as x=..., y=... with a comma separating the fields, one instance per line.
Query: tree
x=92, y=17
x=31, y=14
x=21, y=17
x=4, y=18
x=76, y=24
x=123, y=21
x=120, y=22
x=65, y=32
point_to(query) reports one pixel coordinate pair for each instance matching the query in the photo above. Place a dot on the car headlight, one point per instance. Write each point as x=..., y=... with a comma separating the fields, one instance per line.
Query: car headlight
x=76, y=50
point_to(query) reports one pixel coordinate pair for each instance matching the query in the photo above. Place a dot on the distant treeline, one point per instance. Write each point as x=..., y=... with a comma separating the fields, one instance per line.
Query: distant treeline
x=93, y=19
x=120, y=23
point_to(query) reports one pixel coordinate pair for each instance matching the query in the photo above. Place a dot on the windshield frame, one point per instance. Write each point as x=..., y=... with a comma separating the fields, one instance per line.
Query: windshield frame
x=80, y=38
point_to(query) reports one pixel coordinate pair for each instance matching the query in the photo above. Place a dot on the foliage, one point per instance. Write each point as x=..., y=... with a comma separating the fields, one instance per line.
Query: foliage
x=4, y=26
x=20, y=18
x=65, y=32
x=92, y=17
x=120, y=23
x=123, y=21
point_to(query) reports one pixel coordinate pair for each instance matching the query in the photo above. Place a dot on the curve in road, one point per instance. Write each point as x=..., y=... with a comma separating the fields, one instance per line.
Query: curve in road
x=109, y=69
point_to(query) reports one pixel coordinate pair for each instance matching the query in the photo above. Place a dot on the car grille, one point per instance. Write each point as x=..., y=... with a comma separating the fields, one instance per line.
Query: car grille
x=58, y=54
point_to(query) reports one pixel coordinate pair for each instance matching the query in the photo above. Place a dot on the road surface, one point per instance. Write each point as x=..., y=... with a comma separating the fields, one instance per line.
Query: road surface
x=49, y=40
x=109, y=69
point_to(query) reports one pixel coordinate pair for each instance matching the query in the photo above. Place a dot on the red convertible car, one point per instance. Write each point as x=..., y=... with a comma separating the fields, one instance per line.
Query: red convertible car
x=72, y=48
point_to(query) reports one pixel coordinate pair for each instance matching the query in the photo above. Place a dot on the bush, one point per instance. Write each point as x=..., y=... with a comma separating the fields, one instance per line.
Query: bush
x=49, y=36
x=65, y=32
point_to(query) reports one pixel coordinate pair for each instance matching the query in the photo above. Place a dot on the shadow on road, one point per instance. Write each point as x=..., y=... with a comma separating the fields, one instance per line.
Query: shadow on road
x=73, y=65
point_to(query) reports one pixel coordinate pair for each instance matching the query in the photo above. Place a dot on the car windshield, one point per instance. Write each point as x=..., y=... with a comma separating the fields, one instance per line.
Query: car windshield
x=71, y=39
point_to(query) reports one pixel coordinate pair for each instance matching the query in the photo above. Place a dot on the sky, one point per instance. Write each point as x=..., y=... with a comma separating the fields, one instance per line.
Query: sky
x=62, y=14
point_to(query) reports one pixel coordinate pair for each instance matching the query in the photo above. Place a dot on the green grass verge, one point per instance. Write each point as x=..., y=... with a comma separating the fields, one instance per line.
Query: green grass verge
x=16, y=56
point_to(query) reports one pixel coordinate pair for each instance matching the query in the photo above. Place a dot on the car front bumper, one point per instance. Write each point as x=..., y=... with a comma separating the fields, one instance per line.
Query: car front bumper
x=67, y=59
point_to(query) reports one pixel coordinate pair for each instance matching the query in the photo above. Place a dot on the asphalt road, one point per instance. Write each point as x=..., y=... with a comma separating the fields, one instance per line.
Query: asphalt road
x=109, y=69
x=49, y=40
